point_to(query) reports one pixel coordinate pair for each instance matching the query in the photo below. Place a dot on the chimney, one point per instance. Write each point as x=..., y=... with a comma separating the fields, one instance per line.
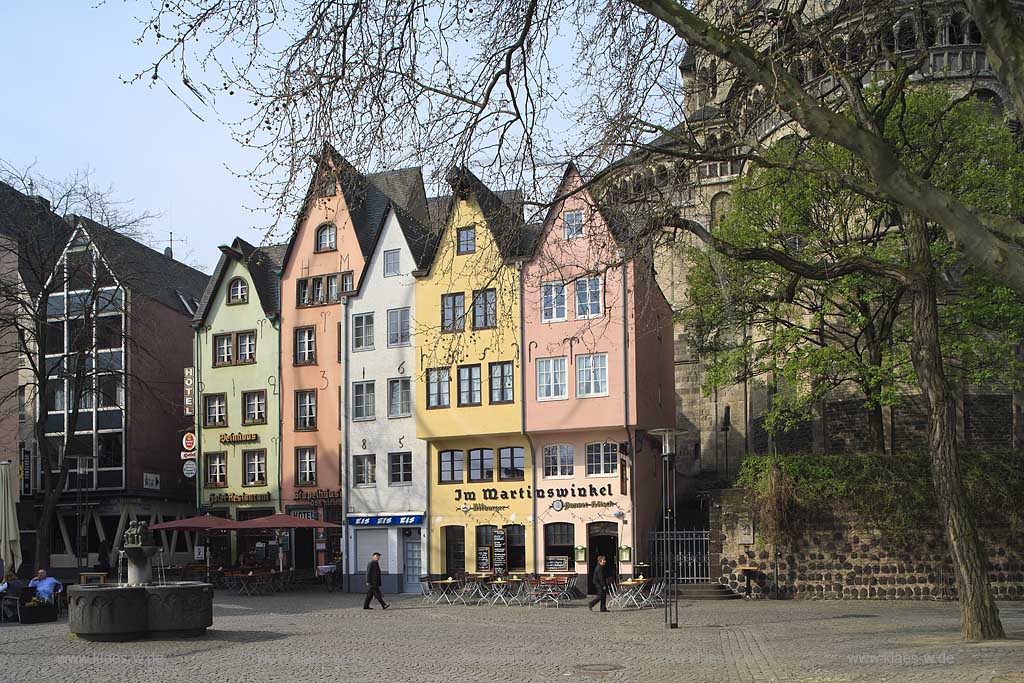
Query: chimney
x=168, y=252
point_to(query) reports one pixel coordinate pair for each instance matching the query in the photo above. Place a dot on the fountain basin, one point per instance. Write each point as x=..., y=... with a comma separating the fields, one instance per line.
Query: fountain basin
x=108, y=611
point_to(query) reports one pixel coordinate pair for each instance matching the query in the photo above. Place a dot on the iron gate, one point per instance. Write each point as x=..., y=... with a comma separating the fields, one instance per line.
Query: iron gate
x=687, y=550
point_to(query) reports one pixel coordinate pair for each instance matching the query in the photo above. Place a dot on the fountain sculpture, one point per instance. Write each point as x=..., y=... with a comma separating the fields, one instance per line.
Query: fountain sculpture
x=139, y=608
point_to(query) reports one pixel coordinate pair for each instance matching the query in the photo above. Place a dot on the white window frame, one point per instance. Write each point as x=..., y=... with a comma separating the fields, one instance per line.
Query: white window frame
x=305, y=470
x=583, y=286
x=363, y=409
x=224, y=354
x=223, y=412
x=250, y=347
x=305, y=348
x=400, y=318
x=216, y=469
x=305, y=411
x=395, y=265
x=605, y=460
x=364, y=470
x=260, y=404
x=552, y=292
x=348, y=282
x=259, y=463
x=238, y=291
x=591, y=377
x=559, y=457
x=574, y=234
x=547, y=373
x=332, y=288
x=404, y=396
x=330, y=244
x=362, y=340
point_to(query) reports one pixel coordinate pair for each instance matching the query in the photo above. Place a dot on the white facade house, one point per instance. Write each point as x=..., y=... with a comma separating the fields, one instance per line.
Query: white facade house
x=385, y=464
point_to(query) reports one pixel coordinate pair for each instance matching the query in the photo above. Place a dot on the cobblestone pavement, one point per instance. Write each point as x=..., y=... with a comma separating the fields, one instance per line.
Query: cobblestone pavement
x=317, y=636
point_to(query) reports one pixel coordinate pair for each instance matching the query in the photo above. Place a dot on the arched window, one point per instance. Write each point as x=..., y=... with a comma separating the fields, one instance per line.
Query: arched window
x=906, y=35
x=238, y=291
x=454, y=539
x=326, y=237
x=972, y=33
x=956, y=29
x=720, y=204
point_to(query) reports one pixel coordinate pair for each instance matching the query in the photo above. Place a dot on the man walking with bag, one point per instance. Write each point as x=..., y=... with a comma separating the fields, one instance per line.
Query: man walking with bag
x=373, y=583
x=600, y=583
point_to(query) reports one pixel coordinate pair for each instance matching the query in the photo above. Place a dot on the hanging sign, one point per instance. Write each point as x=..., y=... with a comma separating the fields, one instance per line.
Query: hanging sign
x=189, y=468
x=188, y=401
x=499, y=558
x=188, y=441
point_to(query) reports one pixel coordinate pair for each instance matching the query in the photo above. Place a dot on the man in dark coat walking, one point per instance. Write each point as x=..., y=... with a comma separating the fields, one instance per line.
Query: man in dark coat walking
x=373, y=583
x=600, y=583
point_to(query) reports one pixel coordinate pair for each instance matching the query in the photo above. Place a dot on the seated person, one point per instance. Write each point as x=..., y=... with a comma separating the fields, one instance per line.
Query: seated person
x=10, y=583
x=45, y=586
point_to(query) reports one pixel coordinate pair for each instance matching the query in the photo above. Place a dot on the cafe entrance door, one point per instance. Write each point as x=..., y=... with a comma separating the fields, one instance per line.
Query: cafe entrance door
x=602, y=539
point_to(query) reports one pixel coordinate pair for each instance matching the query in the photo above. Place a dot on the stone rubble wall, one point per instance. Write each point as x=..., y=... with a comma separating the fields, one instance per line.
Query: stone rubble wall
x=846, y=558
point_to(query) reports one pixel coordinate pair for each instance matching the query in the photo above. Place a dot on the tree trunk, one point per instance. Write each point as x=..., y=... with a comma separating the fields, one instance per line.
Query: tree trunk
x=876, y=429
x=979, y=616
x=45, y=529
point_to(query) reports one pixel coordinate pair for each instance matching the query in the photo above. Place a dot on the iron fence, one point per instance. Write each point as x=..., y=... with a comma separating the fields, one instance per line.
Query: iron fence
x=682, y=555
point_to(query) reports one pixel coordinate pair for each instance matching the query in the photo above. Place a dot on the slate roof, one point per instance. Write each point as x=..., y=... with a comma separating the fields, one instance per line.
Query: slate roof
x=264, y=265
x=39, y=233
x=144, y=270
x=369, y=197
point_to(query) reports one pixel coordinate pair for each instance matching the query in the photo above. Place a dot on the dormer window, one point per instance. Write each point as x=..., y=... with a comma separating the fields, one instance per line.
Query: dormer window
x=573, y=224
x=326, y=237
x=466, y=240
x=238, y=291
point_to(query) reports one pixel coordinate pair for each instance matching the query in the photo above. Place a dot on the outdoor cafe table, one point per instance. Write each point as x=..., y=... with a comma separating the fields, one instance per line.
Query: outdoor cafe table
x=633, y=592
x=504, y=590
x=248, y=583
x=450, y=591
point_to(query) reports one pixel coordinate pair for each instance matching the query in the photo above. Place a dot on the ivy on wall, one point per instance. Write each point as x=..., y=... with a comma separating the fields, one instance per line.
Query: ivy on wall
x=892, y=492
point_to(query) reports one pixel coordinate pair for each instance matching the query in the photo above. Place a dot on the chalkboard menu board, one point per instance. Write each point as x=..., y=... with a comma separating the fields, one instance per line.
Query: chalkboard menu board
x=499, y=559
x=483, y=558
x=556, y=563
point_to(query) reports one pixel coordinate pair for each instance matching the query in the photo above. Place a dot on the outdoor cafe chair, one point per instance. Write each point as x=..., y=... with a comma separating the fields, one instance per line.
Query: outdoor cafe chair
x=426, y=590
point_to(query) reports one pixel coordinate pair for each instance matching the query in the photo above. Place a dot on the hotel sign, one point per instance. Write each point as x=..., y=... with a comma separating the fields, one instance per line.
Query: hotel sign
x=188, y=402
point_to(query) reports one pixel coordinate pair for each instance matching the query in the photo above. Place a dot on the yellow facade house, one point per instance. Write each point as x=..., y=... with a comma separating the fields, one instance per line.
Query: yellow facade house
x=469, y=385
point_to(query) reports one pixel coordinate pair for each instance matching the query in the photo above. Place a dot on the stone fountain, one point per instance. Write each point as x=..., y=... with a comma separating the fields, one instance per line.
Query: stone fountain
x=139, y=608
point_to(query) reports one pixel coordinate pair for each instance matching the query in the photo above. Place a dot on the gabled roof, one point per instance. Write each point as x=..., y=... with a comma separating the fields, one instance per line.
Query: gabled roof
x=263, y=264
x=144, y=270
x=39, y=233
x=367, y=197
x=503, y=212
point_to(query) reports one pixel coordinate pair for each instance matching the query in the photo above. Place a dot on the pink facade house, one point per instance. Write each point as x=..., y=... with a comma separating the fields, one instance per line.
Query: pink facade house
x=597, y=335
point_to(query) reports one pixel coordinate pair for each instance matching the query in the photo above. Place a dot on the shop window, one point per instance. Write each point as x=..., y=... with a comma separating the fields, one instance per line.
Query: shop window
x=560, y=541
x=454, y=549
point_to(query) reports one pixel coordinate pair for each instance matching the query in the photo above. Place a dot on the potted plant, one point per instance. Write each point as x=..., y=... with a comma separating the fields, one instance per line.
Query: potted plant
x=36, y=611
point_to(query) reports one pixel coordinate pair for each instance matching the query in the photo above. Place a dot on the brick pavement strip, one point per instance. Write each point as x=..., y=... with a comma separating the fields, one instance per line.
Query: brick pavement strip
x=317, y=636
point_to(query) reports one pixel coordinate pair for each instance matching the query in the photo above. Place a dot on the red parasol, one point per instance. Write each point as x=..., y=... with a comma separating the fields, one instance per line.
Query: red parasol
x=201, y=523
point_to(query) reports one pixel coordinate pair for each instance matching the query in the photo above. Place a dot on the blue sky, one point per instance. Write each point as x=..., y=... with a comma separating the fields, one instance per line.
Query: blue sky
x=65, y=108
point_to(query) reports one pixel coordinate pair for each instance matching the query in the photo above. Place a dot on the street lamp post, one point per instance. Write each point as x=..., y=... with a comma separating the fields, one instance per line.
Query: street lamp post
x=667, y=549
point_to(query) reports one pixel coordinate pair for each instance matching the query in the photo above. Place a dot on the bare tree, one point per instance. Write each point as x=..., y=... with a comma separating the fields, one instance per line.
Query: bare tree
x=645, y=95
x=50, y=365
